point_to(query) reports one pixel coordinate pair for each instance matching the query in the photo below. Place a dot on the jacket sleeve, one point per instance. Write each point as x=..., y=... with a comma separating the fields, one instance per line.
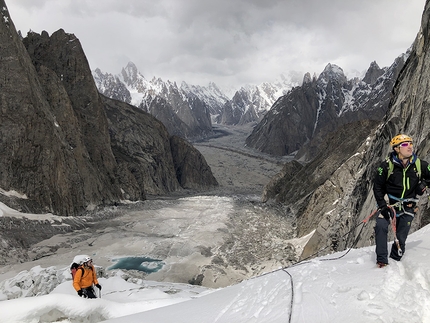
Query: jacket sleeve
x=77, y=279
x=425, y=171
x=379, y=184
x=95, y=281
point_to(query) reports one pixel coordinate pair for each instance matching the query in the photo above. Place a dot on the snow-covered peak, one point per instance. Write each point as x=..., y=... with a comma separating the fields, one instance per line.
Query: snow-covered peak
x=211, y=95
x=213, y=86
x=131, y=67
x=332, y=72
x=130, y=75
x=333, y=68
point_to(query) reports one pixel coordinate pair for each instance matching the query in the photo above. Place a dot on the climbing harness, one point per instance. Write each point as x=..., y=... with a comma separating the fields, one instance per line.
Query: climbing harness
x=405, y=206
x=400, y=204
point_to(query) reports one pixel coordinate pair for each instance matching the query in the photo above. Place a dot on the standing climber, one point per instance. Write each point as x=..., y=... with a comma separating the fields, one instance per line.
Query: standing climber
x=401, y=177
x=85, y=277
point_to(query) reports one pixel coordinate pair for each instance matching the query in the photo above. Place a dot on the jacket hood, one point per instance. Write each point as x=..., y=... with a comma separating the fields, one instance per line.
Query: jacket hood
x=397, y=161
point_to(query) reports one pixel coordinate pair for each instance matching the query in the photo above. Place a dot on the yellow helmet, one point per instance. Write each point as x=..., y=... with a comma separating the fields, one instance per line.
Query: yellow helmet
x=397, y=140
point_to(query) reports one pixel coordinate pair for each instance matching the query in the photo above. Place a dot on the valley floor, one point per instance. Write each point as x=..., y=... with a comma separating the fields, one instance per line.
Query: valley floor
x=237, y=167
x=214, y=239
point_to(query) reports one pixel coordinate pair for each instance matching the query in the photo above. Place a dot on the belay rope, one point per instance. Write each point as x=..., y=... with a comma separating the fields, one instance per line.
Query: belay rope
x=304, y=261
x=393, y=221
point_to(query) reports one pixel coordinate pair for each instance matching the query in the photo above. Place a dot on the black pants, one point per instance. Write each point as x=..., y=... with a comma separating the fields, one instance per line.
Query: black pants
x=89, y=292
x=403, y=224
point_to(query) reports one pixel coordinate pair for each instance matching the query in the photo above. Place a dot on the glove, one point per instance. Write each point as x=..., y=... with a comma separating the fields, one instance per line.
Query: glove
x=386, y=212
x=80, y=292
x=99, y=286
x=421, y=188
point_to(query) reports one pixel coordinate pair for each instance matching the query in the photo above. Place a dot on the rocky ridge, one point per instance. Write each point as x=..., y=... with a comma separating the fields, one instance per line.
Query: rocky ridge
x=298, y=121
x=247, y=105
x=336, y=206
x=67, y=149
x=182, y=111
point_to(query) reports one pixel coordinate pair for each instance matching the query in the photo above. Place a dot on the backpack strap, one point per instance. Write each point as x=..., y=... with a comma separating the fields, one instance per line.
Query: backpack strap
x=418, y=167
x=390, y=167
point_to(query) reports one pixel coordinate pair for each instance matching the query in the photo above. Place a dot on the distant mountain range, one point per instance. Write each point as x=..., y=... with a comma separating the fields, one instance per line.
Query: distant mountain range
x=299, y=121
x=288, y=113
x=189, y=110
x=251, y=102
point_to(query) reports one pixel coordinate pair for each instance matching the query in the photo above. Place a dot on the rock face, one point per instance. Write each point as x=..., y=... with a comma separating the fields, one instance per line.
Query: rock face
x=63, y=74
x=141, y=147
x=162, y=110
x=64, y=146
x=241, y=109
x=191, y=168
x=373, y=73
x=299, y=120
x=315, y=189
x=335, y=199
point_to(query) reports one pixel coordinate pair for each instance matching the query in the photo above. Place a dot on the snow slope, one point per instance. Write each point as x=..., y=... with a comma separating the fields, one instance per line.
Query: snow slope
x=342, y=287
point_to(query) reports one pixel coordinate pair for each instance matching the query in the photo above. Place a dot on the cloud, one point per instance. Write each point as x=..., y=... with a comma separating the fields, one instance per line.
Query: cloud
x=229, y=42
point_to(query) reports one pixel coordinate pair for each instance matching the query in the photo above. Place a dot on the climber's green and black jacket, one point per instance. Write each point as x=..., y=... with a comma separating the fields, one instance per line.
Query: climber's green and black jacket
x=402, y=183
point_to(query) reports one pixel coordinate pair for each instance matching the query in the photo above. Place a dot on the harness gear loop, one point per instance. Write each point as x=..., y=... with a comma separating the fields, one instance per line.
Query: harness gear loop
x=410, y=204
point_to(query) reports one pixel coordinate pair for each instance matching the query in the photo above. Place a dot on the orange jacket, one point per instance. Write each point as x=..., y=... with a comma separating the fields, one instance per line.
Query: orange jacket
x=85, y=278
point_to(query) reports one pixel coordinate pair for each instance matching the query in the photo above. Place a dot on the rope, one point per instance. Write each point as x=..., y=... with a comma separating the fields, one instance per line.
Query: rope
x=393, y=222
x=353, y=245
x=292, y=295
x=303, y=261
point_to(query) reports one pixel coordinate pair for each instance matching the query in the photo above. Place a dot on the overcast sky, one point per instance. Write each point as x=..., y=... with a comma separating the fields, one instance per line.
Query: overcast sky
x=230, y=42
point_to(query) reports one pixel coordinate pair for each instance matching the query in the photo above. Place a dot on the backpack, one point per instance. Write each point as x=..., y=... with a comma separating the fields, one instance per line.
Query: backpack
x=74, y=268
x=417, y=168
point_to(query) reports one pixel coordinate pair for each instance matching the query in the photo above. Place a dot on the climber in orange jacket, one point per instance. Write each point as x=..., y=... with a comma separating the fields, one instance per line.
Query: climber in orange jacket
x=84, y=279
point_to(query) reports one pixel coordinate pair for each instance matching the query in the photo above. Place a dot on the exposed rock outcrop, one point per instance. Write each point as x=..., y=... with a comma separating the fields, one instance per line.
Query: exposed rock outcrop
x=373, y=73
x=141, y=146
x=64, y=146
x=191, y=168
x=336, y=206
